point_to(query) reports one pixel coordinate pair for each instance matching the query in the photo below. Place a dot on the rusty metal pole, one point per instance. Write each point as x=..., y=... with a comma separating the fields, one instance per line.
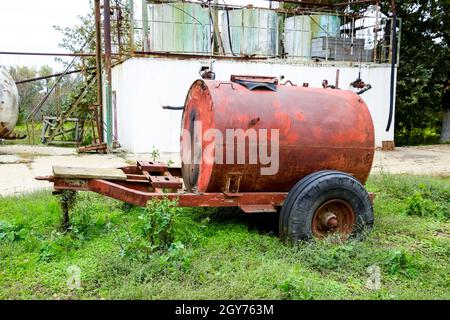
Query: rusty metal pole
x=108, y=96
x=145, y=44
x=98, y=60
x=131, y=6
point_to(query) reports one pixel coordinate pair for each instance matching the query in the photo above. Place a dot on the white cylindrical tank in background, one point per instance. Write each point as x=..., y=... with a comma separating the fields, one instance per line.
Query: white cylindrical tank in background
x=297, y=37
x=179, y=28
x=9, y=104
x=253, y=31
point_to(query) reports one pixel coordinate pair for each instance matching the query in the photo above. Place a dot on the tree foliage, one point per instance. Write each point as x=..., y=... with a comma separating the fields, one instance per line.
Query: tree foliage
x=81, y=38
x=31, y=93
x=424, y=70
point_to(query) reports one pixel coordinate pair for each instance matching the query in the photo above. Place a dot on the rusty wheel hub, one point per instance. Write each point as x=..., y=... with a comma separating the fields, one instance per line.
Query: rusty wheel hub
x=333, y=216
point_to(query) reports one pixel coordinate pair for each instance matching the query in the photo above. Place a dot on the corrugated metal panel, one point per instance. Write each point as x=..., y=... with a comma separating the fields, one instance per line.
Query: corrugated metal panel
x=325, y=26
x=179, y=27
x=297, y=37
x=254, y=31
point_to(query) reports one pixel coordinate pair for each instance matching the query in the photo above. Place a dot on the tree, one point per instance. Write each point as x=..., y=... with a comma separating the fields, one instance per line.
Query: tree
x=30, y=93
x=81, y=38
x=423, y=72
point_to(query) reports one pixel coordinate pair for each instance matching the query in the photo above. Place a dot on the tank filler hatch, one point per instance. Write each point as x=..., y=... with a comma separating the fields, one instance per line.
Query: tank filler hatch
x=256, y=82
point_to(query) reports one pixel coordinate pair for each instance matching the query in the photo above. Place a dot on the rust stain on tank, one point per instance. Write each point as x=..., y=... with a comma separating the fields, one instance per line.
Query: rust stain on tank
x=284, y=120
x=299, y=116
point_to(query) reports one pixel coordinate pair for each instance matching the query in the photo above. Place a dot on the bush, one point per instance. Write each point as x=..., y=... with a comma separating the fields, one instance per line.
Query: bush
x=157, y=223
x=153, y=231
x=417, y=136
x=417, y=205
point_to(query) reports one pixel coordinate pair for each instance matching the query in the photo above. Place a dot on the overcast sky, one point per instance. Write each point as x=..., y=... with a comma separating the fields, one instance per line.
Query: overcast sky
x=27, y=25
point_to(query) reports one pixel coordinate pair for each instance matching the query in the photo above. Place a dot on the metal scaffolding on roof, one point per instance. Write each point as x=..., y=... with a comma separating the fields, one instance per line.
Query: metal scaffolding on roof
x=119, y=35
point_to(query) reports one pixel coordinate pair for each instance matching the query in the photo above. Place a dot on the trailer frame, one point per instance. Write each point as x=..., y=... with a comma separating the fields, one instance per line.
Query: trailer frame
x=152, y=180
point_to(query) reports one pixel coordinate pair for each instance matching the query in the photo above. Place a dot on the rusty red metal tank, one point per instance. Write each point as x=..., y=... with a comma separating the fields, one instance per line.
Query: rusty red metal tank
x=318, y=129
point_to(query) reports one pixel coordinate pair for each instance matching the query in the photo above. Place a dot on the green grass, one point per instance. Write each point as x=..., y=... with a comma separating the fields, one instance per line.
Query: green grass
x=225, y=254
x=34, y=136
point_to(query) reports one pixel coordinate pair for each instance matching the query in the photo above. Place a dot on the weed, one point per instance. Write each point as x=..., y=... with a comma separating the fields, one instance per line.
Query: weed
x=57, y=244
x=401, y=262
x=153, y=230
x=11, y=233
x=296, y=288
x=157, y=223
x=154, y=154
x=417, y=205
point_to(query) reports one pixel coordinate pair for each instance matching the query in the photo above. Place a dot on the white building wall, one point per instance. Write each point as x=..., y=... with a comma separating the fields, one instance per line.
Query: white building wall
x=144, y=85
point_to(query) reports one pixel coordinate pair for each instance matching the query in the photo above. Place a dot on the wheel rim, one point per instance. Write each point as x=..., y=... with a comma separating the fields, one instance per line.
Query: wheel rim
x=333, y=216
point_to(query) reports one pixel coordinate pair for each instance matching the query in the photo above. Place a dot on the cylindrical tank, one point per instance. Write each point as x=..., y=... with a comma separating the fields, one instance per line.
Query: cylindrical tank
x=297, y=37
x=253, y=31
x=318, y=129
x=325, y=26
x=9, y=104
x=179, y=27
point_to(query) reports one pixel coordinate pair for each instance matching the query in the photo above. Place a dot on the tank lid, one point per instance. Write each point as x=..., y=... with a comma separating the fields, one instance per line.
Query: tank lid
x=256, y=82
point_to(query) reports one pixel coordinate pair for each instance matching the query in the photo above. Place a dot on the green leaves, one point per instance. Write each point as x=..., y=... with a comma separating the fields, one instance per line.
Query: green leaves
x=158, y=223
x=417, y=205
x=423, y=71
x=12, y=233
x=403, y=263
x=153, y=232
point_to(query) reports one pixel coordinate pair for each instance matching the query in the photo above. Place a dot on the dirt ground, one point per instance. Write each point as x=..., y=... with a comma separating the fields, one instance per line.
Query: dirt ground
x=19, y=164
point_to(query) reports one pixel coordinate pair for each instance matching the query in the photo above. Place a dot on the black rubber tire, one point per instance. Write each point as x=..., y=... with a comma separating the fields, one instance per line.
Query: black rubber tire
x=302, y=201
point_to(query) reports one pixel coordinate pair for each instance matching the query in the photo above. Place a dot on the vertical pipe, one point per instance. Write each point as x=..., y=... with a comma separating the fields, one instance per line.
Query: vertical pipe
x=393, y=62
x=294, y=33
x=351, y=42
x=399, y=37
x=326, y=37
x=119, y=26
x=377, y=25
x=131, y=7
x=218, y=45
x=211, y=31
x=145, y=26
x=98, y=60
x=108, y=97
x=336, y=83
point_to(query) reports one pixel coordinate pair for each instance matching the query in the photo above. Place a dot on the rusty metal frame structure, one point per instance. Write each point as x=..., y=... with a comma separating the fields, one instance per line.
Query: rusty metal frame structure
x=303, y=7
x=148, y=181
x=155, y=181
